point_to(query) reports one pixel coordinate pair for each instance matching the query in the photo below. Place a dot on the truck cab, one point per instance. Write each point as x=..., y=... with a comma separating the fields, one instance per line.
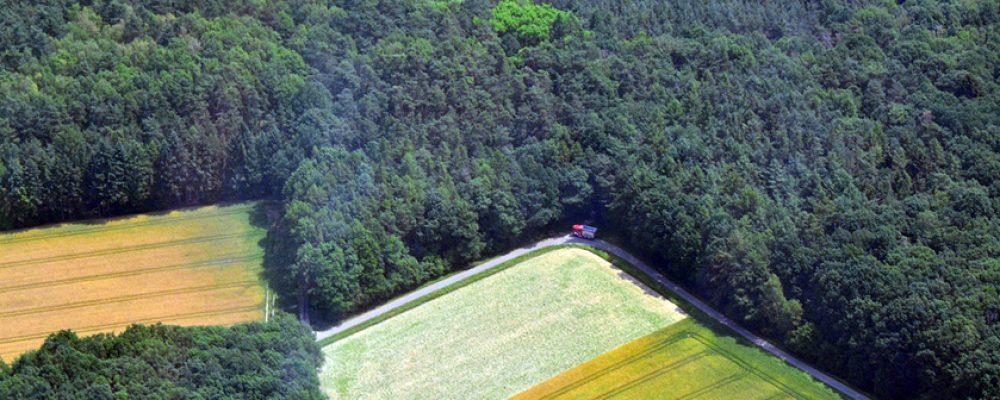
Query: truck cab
x=584, y=231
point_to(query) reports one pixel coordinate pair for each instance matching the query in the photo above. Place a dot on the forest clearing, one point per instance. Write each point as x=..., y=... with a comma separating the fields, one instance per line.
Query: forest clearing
x=498, y=336
x=191, y=267
x=684, y=360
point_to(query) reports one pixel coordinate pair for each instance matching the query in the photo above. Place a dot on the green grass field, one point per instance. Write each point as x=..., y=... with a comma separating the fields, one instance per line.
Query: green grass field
x=683, y=361
x=190, y=267
x=500, y=335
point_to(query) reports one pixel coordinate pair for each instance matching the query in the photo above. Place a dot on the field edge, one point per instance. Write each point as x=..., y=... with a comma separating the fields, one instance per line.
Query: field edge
x=694, y=314
x=254, y=280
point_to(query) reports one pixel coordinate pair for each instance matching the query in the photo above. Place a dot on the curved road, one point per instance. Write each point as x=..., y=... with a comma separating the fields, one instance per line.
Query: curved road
x=670, y=285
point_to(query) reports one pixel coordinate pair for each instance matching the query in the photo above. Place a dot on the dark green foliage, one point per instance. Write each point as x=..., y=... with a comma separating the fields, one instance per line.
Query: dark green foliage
x=275, y=360
x=825, y=172
x=122, y=107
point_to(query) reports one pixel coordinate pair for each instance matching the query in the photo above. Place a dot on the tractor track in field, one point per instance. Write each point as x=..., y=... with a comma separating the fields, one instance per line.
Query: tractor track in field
x=615, y=366
x=715, y=385
x=777, y=396
x=102, y=327
x=133, y=272
x=129, y=249
x=652, y=374
x=104, y=228
x=628, y=257
x=781, y=386
x=119, y=299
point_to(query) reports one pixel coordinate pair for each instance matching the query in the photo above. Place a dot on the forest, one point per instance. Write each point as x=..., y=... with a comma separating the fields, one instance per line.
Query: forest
x=276, y=360
x=825, y=172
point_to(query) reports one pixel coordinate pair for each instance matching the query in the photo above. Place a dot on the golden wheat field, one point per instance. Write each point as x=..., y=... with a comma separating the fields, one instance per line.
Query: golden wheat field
x=190, y=267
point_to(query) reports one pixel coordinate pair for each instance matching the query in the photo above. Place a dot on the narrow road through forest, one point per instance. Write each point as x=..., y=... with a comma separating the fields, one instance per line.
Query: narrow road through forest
x=618, y=251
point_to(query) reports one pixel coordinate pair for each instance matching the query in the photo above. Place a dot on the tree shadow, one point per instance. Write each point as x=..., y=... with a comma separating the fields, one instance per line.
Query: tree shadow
x=277, y=254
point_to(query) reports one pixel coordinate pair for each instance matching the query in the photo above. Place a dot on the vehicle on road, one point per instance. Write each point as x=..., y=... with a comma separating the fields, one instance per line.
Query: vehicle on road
x=584, y=231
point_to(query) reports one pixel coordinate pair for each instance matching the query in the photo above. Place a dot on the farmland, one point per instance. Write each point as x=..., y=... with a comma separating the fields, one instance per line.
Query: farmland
x=192, y=267
x=500, y=335
x=685, y=360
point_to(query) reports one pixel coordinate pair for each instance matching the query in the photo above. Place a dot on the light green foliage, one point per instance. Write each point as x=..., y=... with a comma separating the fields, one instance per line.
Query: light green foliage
x=526, y=19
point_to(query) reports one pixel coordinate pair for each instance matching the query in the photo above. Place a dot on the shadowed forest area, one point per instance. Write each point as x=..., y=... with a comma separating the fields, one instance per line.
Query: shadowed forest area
x=277, y=360
x=824, y=172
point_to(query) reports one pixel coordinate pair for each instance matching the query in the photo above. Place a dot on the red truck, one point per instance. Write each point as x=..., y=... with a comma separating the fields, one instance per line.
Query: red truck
x=584, y=231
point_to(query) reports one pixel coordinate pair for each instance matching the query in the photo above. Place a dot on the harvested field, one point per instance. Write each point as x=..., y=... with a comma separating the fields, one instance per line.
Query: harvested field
x=683, y=361
x=498, y=336
x=191, y=267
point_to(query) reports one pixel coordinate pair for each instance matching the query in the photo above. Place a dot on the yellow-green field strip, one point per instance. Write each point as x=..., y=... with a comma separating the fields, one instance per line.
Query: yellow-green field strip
x=130, y=249
x=231, y=210
x=622, y=363
x=664, y=358
x=135, y=272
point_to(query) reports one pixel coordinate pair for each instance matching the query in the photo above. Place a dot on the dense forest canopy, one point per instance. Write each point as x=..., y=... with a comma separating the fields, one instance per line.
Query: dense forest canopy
x=275, y=360
x=825, y=172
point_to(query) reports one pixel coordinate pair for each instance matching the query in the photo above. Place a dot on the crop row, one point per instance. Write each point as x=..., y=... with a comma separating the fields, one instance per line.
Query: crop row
x=666, y=344
x=149, y=246
x=757, y=372
x=620, y=363
x=134, y=272
x=105, y=228
x=715, y=385
x=105, y=327
x=119, y=299
x=652, y=374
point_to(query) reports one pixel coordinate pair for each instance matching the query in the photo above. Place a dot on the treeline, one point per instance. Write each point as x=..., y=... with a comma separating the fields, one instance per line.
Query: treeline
x=112, y=107
x=275, y=360
x=824, y=172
